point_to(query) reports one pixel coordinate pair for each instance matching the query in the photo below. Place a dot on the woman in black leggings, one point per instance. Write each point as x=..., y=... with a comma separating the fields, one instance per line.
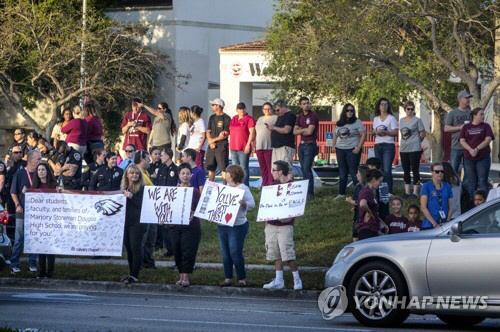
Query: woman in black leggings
x=133, y=188
x=410, y=148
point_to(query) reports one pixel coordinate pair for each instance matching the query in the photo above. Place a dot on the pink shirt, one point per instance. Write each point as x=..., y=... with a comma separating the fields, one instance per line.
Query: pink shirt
x=240, y=132
x=77, y=132
x=94, y=128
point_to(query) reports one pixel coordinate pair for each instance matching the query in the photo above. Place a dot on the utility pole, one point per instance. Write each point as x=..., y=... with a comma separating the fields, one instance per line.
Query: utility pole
x=82, y=63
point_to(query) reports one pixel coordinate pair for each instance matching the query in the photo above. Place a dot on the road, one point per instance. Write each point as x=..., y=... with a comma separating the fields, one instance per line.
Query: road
x=96, y=311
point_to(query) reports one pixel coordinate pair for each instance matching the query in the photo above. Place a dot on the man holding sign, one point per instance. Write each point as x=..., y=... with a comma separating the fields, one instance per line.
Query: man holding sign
x=279, y=238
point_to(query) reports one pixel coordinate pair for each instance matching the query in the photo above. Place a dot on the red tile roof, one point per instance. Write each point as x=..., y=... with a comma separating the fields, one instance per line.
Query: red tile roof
x=255, y=46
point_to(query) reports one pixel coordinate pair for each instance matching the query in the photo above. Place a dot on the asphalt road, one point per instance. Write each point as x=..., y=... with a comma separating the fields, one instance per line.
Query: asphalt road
x=95, y=311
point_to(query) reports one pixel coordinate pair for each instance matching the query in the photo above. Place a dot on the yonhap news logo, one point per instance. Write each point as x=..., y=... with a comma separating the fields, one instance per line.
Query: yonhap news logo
x=332, y=302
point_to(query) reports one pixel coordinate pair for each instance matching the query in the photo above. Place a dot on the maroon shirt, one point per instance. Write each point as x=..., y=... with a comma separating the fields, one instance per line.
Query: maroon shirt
x=281, y=222
x=77, y=132
x=133, y=136
x=373, y=223
x=396, y=224
x=94, y=128
x=303, y=121
x=475, y=135
x=414, y=226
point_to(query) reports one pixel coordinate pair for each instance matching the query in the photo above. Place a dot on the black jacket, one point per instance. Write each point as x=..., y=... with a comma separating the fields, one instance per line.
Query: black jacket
x=106, y=179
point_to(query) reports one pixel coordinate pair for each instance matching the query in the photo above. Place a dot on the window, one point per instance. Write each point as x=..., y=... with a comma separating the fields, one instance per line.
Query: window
x=485, y=222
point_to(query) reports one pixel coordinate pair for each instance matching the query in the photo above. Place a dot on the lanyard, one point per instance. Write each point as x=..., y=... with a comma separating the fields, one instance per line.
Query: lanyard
x=29, y=177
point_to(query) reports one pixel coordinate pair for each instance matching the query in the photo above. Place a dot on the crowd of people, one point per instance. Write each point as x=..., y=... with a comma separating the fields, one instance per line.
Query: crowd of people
x=149, y=158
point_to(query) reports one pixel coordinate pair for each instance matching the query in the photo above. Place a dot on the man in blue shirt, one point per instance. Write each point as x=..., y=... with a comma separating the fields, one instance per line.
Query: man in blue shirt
x=436, y=199
x=129, y=152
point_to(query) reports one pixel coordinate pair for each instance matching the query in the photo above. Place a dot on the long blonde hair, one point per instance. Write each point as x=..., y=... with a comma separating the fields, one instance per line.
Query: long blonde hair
x=185, y=116
x=133, y=187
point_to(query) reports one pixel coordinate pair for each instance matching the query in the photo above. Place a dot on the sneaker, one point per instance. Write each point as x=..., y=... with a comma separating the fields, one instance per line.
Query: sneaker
x=131, y=280
x=339, y=198
x=413, y=196
x=275, y=284
x=15, y=270
x=297, y=284
x=405, y=196
x=33, y=269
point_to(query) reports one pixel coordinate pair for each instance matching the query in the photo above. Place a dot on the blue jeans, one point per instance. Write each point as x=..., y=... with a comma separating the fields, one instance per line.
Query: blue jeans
x=18, y=245
x=348, y=164
x=241, y=158
x=477, y=173
x=386, y=153
x=307, y=152
x=231, y=240
x=456, y=157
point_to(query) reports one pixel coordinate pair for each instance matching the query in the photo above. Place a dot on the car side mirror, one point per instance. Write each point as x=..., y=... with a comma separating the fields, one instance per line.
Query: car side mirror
x=455, y=231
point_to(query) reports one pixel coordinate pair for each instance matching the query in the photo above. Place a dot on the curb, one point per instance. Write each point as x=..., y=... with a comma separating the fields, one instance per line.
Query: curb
x=155, y=289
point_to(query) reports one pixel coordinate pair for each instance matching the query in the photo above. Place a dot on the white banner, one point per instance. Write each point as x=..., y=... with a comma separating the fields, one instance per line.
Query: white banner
x=283, y=201
x=74, y=224
x=219, y=203
x=166, y=205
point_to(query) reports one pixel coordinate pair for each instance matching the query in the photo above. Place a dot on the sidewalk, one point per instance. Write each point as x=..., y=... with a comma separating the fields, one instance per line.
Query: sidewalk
x=166, y=264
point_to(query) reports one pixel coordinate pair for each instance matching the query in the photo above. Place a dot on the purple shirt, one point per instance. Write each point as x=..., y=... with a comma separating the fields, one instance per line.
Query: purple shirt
x=303, y=121
x=396, y=224
x=94, y=128
x=198, y=177
x=475, y=135
x=373, y=223
x=77, y=132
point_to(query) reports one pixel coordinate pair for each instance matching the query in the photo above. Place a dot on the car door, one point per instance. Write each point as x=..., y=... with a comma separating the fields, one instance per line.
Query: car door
x=471, y=266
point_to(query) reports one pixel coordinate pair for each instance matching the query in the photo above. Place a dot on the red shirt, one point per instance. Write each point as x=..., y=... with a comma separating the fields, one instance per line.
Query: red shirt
x=94, y=128
x=240, y=132
x=133, y=136
x=77, y=132
x=396, y=224
x=303, y=121
x=475, y=135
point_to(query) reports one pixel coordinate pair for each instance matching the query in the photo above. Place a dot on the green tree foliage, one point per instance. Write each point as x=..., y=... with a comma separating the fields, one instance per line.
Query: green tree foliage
x=40, y=58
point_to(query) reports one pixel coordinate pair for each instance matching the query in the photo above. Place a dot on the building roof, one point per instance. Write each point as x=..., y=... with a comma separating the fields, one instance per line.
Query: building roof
x=255, y=46
x=142, y=3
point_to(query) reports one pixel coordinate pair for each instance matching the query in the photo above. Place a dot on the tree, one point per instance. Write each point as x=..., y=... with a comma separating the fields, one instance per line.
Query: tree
x=40, y=52
x=354, y=49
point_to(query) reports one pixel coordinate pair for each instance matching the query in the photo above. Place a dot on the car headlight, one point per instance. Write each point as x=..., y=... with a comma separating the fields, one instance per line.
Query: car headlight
x=343, y=254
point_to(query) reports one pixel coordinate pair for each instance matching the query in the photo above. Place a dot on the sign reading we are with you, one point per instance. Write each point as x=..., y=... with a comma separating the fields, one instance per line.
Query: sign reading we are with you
x=166, y=205
x=219, y=203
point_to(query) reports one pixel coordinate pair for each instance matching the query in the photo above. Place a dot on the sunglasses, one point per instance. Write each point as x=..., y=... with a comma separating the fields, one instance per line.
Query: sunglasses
x=274, y=170
x=350, y=110
x=129, y=151
x=439, y=171
x=17, y=152
x=409, y=108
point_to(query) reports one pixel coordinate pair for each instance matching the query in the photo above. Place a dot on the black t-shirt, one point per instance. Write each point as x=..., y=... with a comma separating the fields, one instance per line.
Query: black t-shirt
x=21, y=180
x=86, y=176
x=12, y=169
x=24, y=147
x=49, y=155
x=217, y=124
x=154, y=168
x=168, y=175
x=73, y=157
x=279, y=140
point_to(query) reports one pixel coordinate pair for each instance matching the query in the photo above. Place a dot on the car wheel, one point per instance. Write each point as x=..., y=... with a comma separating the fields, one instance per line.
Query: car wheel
x=459, y=321
x=375, y=293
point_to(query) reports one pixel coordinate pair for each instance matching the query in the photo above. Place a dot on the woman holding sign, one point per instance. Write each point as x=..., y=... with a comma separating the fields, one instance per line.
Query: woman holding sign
x=133, y=188
x=44, y=179
x=232, y=239
x=186, y=238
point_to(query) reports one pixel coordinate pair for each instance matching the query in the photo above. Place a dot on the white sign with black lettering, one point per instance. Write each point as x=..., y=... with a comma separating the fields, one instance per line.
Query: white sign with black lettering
x=283, y=201
x=166, y=205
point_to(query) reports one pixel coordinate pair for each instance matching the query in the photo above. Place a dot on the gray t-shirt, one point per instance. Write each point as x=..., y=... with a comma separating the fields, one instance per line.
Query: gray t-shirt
x=263, y=135
x=348, y=135
x=410, y=134
x=455, y=118
x=161, y=130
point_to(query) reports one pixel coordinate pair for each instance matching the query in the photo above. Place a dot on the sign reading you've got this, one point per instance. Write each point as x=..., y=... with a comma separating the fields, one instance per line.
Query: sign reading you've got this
x=166, y=205
x=283, y=201
x=219, y=203
x=74, y=224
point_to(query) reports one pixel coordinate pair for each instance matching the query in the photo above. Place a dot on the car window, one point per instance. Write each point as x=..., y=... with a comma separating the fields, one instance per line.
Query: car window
x=254, y=171
x=484, y=222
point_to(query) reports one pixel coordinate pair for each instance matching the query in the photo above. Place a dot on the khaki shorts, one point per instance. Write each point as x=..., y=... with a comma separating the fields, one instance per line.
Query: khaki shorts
x=284, y=153
x=279, y=243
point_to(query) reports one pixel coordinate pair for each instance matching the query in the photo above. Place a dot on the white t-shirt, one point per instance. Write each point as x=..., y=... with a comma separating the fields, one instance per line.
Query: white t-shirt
x=196, y=135
x=183, y=130
x=389, y=124
x=493, y=193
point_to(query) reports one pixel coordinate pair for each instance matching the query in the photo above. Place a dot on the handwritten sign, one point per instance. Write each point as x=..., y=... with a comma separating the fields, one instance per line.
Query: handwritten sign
x=283, y=201
x=219, y=203
x=166, y=205
x=74, y=224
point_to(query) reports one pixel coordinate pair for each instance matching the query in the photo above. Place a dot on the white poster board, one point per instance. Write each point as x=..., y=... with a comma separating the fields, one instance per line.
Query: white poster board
x=166, y=205
x=219, y=203
x=283, y=201
x=74, y=224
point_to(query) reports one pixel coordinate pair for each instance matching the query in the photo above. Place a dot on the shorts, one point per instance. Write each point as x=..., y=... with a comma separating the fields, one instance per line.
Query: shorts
x=218, y=157
x=284, y=153
x=279, y=243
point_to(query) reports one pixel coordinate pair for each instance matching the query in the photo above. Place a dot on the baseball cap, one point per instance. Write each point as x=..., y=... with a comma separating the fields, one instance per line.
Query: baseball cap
x=241, y=106
x=463, y=94
x=217, y=101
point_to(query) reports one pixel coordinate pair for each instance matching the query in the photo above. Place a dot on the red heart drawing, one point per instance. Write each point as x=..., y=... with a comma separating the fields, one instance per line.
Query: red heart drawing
x=228, y=217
